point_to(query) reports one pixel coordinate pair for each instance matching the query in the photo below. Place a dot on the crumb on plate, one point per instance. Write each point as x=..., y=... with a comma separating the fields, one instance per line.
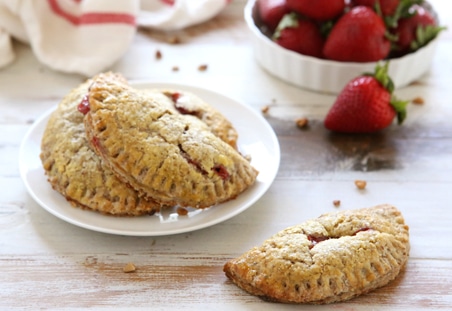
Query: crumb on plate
x=181, y=211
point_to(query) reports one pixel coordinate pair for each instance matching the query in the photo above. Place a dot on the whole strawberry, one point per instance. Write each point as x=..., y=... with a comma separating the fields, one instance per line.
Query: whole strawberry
x=387, y=7
x=320, y=10
x=366, y=104
x=391, y=10
x=416, y=30
x=299, y=35
x=358, y=36
x=271, y=12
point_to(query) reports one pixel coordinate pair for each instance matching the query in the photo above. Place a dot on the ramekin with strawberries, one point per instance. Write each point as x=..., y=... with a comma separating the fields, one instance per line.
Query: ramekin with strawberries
x=323, y=44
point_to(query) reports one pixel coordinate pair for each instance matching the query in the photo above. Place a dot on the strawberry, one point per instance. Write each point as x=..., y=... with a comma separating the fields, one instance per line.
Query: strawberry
x=387, y=7
x=366, y=104
x=416, y=30
x=320, y=10
x=358, y=36
x=271, y=12
x=390, y=10
x=299, y=35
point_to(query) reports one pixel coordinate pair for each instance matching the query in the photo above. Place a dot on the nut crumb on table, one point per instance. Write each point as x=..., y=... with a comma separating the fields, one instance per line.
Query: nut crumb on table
x=265, y=109
x=360, y=184
x=418, y=100
x=129, y=267
x=336, y=203
x=302, y=122
x=202, y=67
x=174, y=40
x=158, y=54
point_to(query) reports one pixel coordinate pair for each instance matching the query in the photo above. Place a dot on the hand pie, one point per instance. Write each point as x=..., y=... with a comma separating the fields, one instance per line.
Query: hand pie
x=169, y=156
x=332, y=258
x=75, y=171
x=188, y=103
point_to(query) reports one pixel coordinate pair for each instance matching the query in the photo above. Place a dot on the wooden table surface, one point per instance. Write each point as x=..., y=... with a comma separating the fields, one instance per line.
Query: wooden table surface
x=47, y=263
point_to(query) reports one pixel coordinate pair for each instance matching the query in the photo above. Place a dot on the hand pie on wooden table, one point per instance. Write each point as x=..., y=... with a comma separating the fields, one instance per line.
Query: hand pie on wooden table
x=332, y=258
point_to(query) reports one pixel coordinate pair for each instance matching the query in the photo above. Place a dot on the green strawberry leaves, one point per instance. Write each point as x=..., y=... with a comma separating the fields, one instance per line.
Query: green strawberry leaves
x=402, y=11
x=381, y=74
x=400, y=108
x=425, y=34
x=290, y=20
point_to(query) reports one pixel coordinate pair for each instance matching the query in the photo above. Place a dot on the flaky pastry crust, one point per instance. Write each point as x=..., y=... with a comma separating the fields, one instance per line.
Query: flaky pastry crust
x=332, y=258
x=76, y=172
x=171, y=157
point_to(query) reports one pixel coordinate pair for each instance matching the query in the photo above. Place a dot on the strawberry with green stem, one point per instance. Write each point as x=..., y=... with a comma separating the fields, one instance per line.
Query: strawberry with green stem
x=386, y=7
x=366, y=104
x=271, y=12
x=299, y=35
x=319, y=10
x=360, y=35
x=390, y=10
x=415, y=31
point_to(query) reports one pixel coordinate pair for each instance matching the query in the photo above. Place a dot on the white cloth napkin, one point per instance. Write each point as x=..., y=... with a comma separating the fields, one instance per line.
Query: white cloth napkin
x=88, y=36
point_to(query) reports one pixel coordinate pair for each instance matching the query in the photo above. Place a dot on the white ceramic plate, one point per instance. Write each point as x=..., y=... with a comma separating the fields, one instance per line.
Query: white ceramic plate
x=256, y=138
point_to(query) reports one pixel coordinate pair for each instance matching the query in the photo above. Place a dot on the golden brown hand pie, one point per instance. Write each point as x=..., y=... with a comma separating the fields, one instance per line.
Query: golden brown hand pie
x=75, y=171
x=164, y=154
x=332, y=258
x=188, y=103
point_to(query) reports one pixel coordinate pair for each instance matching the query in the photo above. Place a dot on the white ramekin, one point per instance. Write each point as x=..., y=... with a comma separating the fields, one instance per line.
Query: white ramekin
x=325, y=75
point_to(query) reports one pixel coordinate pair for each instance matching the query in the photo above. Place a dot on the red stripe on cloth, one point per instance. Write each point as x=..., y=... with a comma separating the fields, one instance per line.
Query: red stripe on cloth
x=169, y=2
x=92, y=18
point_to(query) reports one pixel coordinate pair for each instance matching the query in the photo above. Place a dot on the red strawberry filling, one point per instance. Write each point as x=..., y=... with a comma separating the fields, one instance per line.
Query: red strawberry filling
x=83, y=107
x=95, y=142
x=316, y=239
x=362, y=230
x=197, y=165
x=183, y=109
x=174, y=96
x=221, y=171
